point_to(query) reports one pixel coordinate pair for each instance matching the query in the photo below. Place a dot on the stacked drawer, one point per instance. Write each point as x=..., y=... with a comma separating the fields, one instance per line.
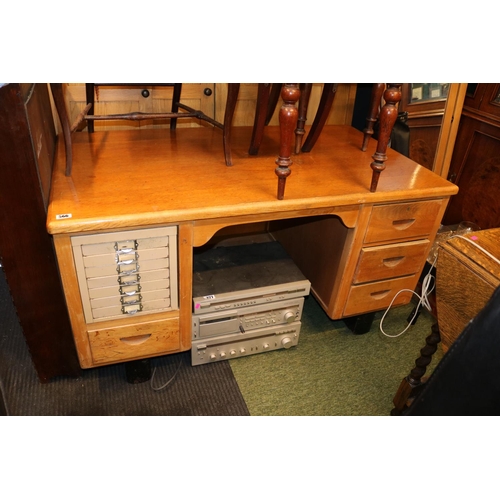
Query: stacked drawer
x=394, y=251
x=126, y=273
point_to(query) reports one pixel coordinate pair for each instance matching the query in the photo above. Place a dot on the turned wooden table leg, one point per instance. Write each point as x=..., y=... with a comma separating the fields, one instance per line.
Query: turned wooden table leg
x=376, y=98
x=305, y=94
x=58, y=95
x=413, y=384
x=290, y=94
x=388, y=116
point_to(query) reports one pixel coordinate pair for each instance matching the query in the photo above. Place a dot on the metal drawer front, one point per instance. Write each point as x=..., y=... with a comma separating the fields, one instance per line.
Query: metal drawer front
x=127, y=273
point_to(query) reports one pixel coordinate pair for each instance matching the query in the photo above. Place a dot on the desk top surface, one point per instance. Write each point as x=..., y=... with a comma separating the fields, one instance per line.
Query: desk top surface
x=130, y=178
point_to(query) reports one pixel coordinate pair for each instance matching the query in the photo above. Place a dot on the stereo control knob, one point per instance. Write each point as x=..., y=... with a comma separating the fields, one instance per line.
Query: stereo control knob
x=266, y=346
x=213, y=356
x=286, y=342
x=222, y=354
x=243, y=350
x=232, y=352
x=289, y=317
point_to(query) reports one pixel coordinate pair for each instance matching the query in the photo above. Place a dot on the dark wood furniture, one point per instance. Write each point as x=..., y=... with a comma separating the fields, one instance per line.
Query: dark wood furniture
x=267, y=100
x=27, y=142
x=475, y=164
x=423, y=115
x=466, y=279
x=88, y=116
x=386, y=115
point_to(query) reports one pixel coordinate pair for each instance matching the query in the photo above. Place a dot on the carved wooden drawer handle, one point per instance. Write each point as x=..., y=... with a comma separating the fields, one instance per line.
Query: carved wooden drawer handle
x=402, y=223
x=380, y=295
x=136, y=340
x=393, y=261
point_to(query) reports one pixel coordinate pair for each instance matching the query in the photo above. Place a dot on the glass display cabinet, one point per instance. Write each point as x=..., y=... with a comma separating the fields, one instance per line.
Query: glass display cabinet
x=422, y=108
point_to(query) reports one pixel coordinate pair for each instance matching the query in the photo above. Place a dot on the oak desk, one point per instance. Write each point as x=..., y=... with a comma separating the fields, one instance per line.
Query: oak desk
x=357, y=248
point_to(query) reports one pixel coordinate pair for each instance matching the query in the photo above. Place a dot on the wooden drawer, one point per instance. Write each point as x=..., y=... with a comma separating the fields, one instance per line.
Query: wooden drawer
x=378, y=295
x=112, y=345
x=402, y=221
x=391, y=261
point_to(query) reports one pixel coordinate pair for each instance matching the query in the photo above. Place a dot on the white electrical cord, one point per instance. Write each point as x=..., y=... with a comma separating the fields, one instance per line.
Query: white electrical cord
x=423, y=299
x=166, y=383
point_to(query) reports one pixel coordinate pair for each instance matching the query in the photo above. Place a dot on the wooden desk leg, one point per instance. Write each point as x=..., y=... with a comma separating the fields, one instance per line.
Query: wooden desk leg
x=388, y=116
x=375, y=102
x=412, y=384
x=305, y=94
x=290, y=94
x=58, y=95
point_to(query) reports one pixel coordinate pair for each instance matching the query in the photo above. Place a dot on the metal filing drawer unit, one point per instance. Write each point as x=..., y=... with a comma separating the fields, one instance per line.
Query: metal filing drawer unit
x=126, y=273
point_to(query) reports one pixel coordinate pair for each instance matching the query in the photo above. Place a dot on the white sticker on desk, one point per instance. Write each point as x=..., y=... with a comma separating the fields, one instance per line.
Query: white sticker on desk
x=64, y=216
x=209, y=297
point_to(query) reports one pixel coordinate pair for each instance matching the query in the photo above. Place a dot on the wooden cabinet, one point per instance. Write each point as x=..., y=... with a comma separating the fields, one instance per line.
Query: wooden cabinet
x=424, y=105
x=475, y=164
x=27, y=142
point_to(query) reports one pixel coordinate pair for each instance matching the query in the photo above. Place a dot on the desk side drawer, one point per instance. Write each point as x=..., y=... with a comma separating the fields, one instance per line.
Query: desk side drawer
x=391, y=261
x=402, y=221
x=377, y=296
x=152, y=338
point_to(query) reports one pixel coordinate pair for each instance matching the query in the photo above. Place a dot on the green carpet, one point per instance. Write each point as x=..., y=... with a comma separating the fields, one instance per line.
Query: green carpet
x=332, y=371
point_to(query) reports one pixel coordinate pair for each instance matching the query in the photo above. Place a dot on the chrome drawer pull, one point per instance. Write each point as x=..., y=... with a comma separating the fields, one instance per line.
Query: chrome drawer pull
x=133, y=292
x=124, y=262
x=123, y=281
x=129, y=309
x=124, y=250
x=127, y=273
x=126, y=302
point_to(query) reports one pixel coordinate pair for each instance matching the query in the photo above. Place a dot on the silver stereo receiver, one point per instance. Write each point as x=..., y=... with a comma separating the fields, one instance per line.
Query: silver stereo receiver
x=238, y=345
x=245, y=319
x=247, y=299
